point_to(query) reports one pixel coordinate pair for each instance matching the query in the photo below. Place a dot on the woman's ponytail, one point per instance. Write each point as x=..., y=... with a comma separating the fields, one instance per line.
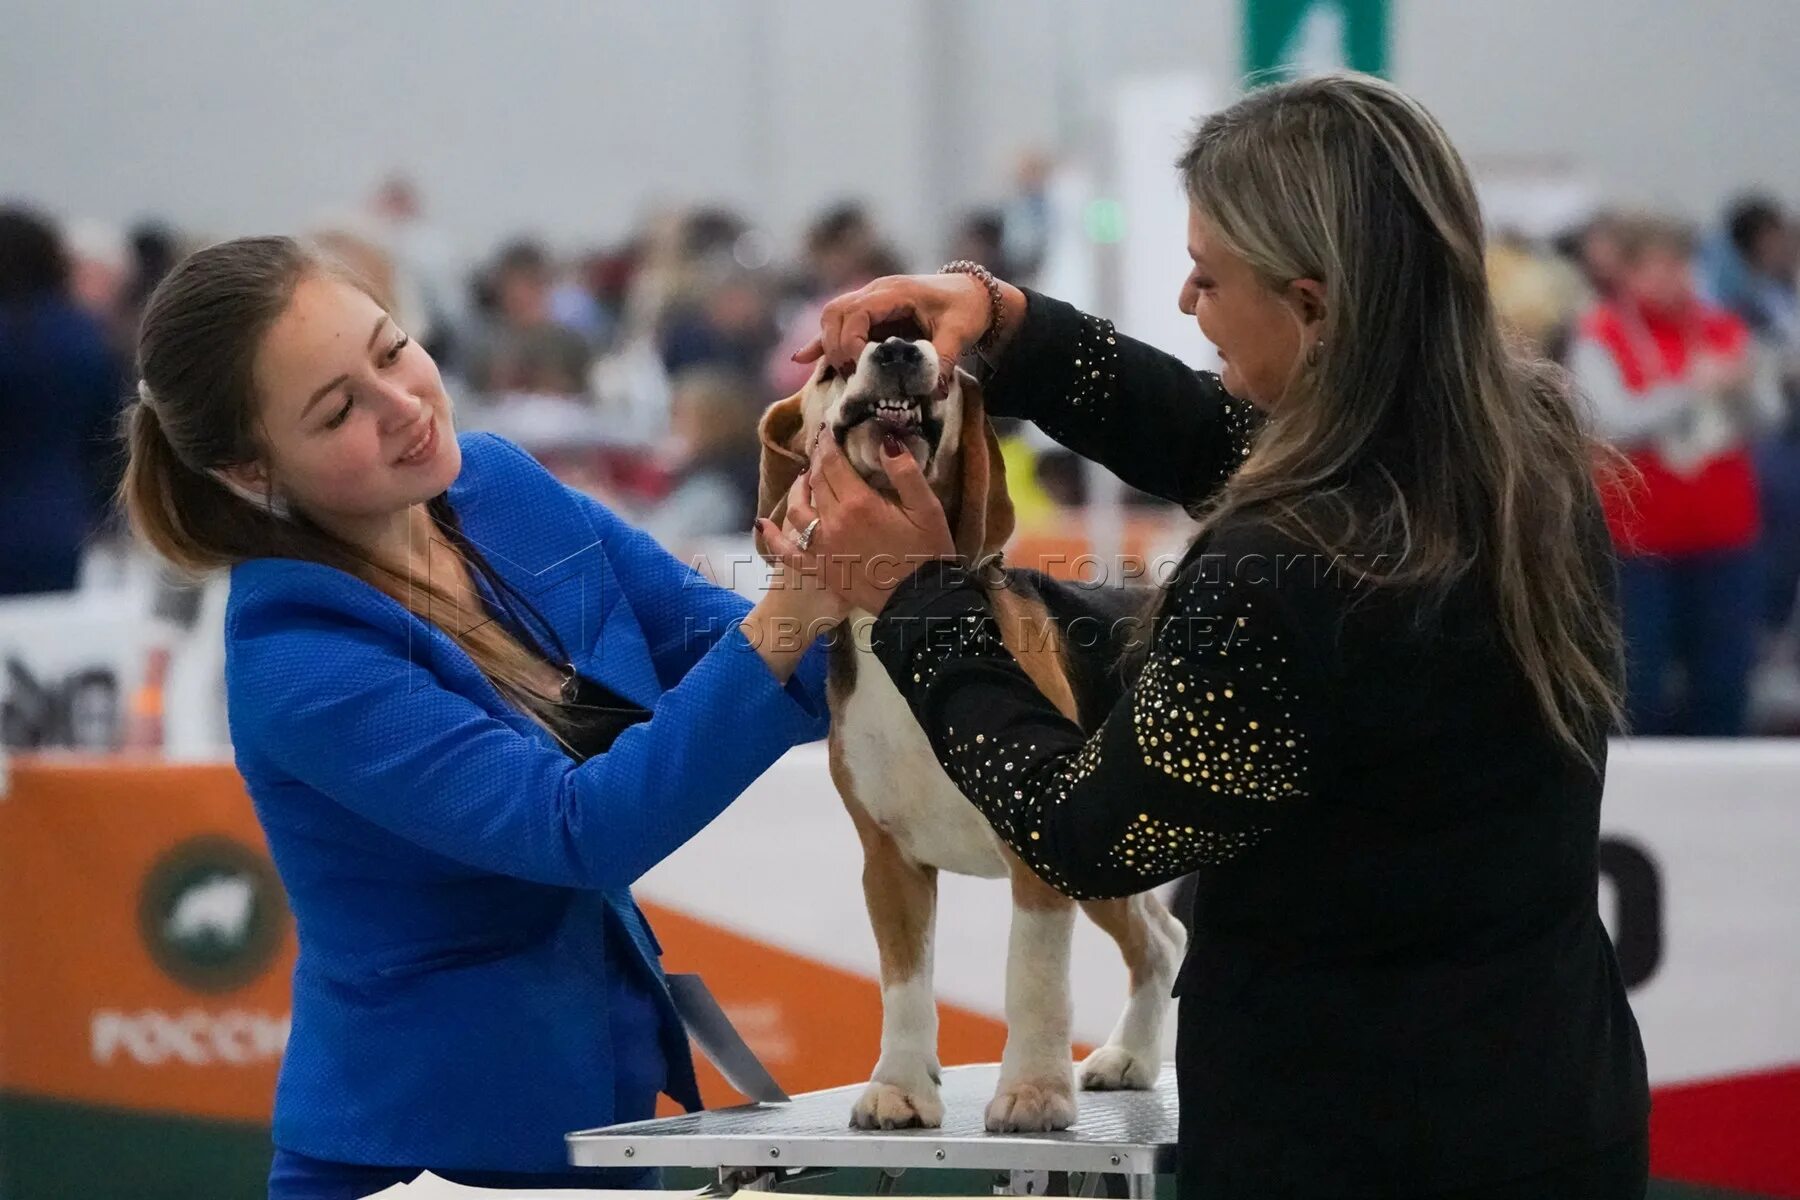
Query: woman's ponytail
x=158, y=490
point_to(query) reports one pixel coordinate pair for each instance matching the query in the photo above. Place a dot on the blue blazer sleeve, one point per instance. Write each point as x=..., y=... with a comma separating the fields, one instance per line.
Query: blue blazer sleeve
x=326, y=690
x=682, y=613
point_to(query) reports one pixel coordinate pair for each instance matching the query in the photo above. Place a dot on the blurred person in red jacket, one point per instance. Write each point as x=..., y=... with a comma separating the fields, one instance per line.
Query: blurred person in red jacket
x=1677, y=386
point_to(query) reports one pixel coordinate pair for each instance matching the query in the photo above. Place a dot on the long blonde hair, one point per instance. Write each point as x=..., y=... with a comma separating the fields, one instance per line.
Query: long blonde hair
x=1416, y=440
x=197, y=410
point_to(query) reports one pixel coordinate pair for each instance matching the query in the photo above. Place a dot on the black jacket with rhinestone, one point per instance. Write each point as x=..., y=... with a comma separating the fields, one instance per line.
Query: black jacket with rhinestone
x=1397, y=978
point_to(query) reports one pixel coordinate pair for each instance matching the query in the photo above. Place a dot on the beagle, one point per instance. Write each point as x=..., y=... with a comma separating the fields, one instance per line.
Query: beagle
x=911, y=819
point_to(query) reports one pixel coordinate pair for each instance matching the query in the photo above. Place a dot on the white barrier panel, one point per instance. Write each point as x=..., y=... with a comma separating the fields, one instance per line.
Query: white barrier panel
x=1699, y=890
x=70, y=668
x=1699, y=885
x=97, y=670
x=1701, y=894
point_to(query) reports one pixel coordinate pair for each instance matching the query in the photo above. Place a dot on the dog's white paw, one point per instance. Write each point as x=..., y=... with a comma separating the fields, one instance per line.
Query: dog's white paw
x=889, y=1106
x=1032, y=1106
x=1116, y=1069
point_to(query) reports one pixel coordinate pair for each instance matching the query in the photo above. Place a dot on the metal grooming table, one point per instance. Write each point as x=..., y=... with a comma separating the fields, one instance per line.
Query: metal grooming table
x=762, y=1146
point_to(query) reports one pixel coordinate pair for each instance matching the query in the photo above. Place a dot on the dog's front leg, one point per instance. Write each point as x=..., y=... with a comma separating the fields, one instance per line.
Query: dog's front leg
x=1037, y=1075
x=902, y=900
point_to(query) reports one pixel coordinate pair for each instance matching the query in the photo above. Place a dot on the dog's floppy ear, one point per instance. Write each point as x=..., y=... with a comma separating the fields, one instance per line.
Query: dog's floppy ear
x=984, y=520
x=782, y=432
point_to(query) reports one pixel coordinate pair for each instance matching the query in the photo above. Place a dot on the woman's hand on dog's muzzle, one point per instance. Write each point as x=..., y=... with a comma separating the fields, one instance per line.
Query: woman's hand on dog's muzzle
x=865, y=543
x=954, y=311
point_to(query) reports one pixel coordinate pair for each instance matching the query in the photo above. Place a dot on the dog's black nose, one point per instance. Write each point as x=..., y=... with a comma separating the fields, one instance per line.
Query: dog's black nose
x=896, y=352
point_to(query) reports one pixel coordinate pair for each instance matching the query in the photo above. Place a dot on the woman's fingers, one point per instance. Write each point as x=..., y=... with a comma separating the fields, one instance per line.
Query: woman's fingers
x=814, y=475
x=800, y=510
x=834, y=471
x=781, y=546
x=952, y=310
x=775, y=539
x=916, y=496
x=809, y=352
x=844, y=328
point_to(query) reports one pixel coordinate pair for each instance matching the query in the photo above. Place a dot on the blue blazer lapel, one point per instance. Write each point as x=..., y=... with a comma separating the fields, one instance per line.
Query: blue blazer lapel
x=556, y=562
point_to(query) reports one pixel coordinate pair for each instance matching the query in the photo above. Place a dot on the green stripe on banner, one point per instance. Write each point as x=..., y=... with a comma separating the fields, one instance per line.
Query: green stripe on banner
x=55, y=1150
x=860, y=1182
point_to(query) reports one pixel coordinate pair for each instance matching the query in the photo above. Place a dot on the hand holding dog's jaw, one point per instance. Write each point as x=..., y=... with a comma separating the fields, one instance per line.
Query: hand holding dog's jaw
x=897, y=387
x=952, y=311
x=865, y=543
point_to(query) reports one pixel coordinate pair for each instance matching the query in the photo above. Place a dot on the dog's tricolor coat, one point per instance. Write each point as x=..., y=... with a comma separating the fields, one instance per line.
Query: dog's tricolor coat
x=911, y=819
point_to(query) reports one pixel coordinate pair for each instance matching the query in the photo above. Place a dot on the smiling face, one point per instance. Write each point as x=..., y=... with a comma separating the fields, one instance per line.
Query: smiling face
x=895, y=388
x=356, y=426
x=1261, y=333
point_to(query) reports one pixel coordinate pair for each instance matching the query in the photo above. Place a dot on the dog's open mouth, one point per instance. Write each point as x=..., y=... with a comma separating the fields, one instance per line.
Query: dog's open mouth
x=900, y=414
x=897, y=414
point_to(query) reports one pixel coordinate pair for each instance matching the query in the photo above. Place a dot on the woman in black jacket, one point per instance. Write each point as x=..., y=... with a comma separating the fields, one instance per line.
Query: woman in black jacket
x=1372, y=713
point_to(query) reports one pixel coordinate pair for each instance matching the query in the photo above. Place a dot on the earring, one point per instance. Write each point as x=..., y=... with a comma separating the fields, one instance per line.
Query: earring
x=276, y=506
x=1313, y=352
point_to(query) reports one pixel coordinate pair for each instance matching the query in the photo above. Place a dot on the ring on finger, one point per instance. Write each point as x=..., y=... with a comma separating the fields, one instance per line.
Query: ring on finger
x=806, y=535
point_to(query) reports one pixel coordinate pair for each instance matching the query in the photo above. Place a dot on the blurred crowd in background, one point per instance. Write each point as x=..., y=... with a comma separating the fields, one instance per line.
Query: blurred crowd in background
x=638, y=370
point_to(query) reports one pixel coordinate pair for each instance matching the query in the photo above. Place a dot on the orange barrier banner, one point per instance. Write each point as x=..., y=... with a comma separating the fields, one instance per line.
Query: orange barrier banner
x=145, y=957
x=145, y=945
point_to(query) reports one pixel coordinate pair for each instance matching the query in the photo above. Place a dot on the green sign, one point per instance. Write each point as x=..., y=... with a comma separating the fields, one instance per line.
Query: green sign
x=212, y=913
x=1288, y=38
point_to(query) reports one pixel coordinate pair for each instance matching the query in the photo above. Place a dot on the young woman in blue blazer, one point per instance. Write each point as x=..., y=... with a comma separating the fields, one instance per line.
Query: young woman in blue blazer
x=471, y=707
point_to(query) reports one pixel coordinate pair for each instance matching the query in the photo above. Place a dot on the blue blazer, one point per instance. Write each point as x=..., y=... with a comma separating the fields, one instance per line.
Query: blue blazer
x=449, y=867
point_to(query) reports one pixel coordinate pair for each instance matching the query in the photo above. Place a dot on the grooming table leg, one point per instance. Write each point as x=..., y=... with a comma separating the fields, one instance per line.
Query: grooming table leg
x=1023, y=1183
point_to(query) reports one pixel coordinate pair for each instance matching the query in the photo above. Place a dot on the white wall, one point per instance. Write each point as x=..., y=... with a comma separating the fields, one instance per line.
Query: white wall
x=1669, y=102
x=570, y=117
